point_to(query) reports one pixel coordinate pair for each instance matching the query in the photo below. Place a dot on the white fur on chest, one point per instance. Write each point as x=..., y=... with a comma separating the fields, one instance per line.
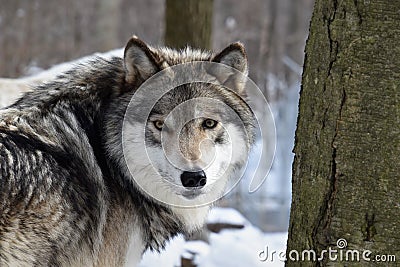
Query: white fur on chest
x=135, y=249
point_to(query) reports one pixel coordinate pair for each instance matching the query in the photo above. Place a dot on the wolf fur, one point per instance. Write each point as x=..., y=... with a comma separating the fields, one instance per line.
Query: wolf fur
x=66, y=198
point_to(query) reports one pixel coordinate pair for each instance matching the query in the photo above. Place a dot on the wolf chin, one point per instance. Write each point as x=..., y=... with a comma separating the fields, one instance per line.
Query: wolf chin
x=70, y=195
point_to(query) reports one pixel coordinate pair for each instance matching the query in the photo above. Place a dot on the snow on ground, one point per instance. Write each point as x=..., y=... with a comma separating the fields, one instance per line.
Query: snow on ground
x=226, y=215
x=229, y=248
x=37, y=75
x=12, y=89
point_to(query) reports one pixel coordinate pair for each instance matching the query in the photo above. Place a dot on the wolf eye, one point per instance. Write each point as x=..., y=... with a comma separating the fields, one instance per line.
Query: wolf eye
x=158, y=124
x=209, y=124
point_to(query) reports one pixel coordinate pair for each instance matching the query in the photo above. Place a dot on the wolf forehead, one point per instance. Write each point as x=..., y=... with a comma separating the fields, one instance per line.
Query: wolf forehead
x=191, y=91
x=228, y=69
x=142, y=61
x=166, y=56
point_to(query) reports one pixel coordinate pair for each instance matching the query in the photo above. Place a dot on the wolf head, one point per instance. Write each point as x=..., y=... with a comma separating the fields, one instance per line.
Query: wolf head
x=186, y=137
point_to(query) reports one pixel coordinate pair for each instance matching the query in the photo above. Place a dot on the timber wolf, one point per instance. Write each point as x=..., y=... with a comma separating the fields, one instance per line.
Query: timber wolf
x=71, y=193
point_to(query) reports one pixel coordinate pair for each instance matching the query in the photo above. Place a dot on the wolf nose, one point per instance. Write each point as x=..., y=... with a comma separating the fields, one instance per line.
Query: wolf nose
x=194, y=179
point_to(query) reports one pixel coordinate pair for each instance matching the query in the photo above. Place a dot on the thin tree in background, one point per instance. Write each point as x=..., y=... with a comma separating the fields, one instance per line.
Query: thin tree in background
x=346, y=173
x=107, y=27
x=188, y=22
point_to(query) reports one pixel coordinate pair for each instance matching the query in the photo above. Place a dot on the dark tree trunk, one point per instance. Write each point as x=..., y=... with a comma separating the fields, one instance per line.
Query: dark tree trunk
x=188, y=22
x=346, y=173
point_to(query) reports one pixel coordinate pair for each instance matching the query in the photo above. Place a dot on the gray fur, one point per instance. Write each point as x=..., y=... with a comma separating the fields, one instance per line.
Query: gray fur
x=65, y=195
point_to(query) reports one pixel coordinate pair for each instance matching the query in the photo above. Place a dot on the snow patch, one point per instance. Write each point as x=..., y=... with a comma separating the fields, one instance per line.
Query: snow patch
x=226, y=215
x=225, y=249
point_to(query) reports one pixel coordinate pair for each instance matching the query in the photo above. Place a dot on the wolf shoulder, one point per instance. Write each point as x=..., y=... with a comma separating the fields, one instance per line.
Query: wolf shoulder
x=34, y=165
x=48, y=193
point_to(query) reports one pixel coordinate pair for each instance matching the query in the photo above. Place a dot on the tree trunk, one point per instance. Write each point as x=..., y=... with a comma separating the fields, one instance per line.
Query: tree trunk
x=346, y=173
x=188, y=22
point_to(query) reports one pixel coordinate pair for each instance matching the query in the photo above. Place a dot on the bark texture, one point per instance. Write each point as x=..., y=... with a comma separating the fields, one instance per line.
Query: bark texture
x=346, y=173
x=188, y=22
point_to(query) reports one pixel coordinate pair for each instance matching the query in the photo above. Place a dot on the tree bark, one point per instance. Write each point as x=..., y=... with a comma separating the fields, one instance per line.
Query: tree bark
x=188, y=22
x=346, y=172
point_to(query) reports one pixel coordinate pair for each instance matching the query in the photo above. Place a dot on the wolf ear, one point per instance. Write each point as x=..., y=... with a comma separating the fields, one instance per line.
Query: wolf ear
x=233, y=56
x=139, y=61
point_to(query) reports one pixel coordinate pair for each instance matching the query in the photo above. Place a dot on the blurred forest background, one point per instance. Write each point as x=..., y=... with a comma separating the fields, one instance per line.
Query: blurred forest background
x=37, y=34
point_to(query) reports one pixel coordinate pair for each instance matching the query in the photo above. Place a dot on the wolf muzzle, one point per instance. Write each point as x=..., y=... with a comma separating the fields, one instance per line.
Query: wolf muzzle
x=193, y=179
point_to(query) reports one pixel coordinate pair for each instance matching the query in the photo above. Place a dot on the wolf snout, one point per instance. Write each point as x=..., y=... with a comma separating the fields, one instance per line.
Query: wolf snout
x=193, y=179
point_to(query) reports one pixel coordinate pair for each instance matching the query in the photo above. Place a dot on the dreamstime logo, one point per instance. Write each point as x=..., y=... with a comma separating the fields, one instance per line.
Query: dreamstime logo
x=179, y=99
x=341, y=243
x=340, y=253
